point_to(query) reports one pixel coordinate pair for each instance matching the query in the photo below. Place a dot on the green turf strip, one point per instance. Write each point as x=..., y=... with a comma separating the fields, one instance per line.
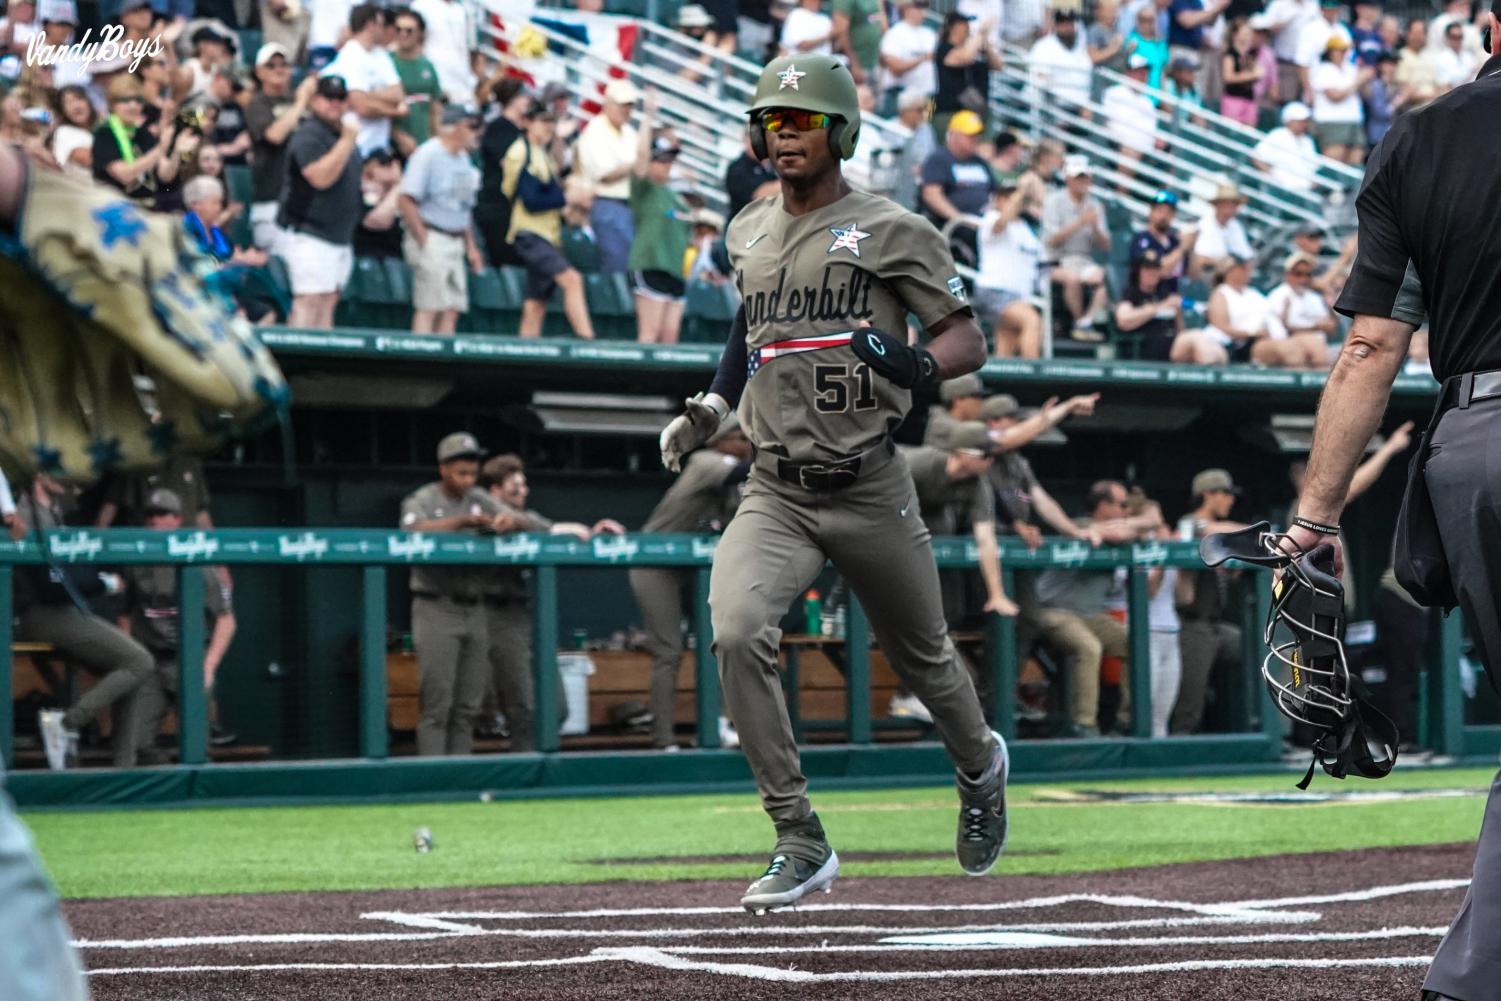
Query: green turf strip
x=251, y=850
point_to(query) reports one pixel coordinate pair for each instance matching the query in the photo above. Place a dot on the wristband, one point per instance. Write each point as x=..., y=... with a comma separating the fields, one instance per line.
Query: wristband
x=1314, y=526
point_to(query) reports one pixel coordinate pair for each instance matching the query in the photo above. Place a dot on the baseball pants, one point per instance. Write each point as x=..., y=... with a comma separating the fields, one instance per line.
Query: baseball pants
x=452, y=661
x=123, y=665
x=1466, y=495
x=1088, y=639
x=37, y=961
x=773, y=549
x=1203, y=643
x=659, y=593
x=143, y=711
x=508, y=628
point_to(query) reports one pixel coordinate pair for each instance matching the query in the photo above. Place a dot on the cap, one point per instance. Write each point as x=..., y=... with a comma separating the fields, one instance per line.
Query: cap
x=129, y=5
x=1295, y=111
x=1181, y=63
x=622, y=92
x=693, y=16
x=971, y=435
x=455, y=113
x=1165, y=197
x=1065, y=14
x=553, y=91
x=1076, y=165
x=966, y=123
x=459, y=445
x=332, y=87
x=960, y=388
x=539, y=110
x=663, y=148
x=1337, y=42
x=58, y=11
x=1007, y=180
x=270, y=51
x=1227, y=192
x=208, y=33
x=1260, y=22
x=1005, y=139
x=1137, y=61
x=164, y=501
x=1211, y=480
x=708, y=217
x=998, y=406
x=1296, y=258
x=912, y=97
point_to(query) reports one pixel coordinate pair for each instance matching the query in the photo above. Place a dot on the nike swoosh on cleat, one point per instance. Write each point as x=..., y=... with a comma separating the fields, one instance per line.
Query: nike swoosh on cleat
x=903, y=512
x=752, y=242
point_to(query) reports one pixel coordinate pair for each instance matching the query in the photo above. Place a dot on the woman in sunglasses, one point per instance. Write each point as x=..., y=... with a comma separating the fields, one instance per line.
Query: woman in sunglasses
x=126, y=155
x=1299, y=319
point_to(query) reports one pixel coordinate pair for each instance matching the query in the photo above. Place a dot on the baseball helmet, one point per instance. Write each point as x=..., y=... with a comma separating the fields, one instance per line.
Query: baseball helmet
x=1305, y=669
x=809, y=83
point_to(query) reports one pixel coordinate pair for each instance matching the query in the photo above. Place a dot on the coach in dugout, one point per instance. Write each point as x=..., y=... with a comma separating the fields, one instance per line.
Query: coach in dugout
x=1428, y=247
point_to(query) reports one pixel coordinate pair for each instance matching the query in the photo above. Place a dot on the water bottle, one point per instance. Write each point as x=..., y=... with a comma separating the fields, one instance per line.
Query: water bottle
x=422, y=840
x=841, y=623
x=812, y=613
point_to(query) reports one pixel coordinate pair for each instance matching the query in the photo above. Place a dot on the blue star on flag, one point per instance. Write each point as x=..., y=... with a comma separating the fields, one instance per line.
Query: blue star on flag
x=48, y=460
x=163, y=436
x=789, y=78
x=105, y=454
x=847, y=238
x=119, y=221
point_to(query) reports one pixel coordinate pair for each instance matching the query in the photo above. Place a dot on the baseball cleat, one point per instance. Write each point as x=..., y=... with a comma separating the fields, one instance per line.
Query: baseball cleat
x=982, y=814
x=801, y=863
x=57, y=740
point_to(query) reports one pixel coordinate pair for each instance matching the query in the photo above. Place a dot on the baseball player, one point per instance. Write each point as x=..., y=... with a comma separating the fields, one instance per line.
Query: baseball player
x=825, y=271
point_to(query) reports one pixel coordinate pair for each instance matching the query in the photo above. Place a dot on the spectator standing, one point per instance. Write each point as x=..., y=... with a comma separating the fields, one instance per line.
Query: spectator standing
x=379, y=233
x=320, y=205
x=59, y=20
x=1384, y=99
x=419, y=82
x=1287, y=154
x=1298, y=318
x=1338, y=117
x=437, y=199
x=956, y=180
x=906, y=51
x=1164, y=644
x=807, y=31
x=449, y=30
x=1150, y=309
x=1188, y=24
x=606, y=155
x=1073, y=230
x=375, y=92
x=1160, y=236
x=963, y=61
x=1313, y=42
x=1130, y=115
x=1022, y=20
x=1107, y=43
x=1059, y=63
x=328, y=27
x=1204, y=638
x=663, y=226
x=212, y=48
x=492, y=214
x=73, y=140
x=912, y=112
x=1454, y=63
x=1146, y=40
x=448, y=618
x=126, y=154
x=1045, y=164
x=1416, y=69
x=1019, y=495
x=1237, y=313
x=1009, y=266
x=1241, y=70
x=858, y=27
x=285, y=23
x=1365, y=32
x=531, y=183
x=1221, y=234
x=1285, y=21
x=272, y=115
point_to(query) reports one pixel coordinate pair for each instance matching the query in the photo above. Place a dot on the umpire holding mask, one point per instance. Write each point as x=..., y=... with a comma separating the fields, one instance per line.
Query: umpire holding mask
x=1429, y=246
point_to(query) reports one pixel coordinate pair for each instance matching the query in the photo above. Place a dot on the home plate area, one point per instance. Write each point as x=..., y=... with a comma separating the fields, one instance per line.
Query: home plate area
x=1355, y=925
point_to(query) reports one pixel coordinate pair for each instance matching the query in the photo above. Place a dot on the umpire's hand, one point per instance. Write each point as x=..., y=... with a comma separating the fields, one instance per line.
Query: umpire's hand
x=905, y=366
x=690, y=429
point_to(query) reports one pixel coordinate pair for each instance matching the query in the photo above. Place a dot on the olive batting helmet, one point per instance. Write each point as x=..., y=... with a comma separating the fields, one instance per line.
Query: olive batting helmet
x=1305, y=634
x=809, y=83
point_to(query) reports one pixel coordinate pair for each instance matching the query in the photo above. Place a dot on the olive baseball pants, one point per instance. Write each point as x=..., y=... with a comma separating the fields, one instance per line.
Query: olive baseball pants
x=508, y=628
x=772, y=551
x=452, y=660
x=659, y=593
x=1088, y=639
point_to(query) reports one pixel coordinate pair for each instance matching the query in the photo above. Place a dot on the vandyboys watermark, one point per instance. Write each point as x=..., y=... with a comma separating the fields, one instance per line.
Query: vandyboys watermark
x=111, y=47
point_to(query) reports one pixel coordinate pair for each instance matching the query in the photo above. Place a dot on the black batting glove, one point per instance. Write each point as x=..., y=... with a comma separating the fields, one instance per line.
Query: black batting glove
x=905, y=366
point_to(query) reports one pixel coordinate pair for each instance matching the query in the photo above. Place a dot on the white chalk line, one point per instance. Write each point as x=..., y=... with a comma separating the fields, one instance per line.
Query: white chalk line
x=509, y=964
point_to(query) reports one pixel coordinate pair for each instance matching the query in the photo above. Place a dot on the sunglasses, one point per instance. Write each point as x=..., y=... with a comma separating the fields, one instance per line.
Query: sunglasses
x=405, y=31
x=131, y=99
x=800, y=121
x=1301, y=273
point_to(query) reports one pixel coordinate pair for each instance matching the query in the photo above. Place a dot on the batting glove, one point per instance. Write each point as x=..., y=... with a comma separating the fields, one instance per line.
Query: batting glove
x=690, y=429
x=905, y=366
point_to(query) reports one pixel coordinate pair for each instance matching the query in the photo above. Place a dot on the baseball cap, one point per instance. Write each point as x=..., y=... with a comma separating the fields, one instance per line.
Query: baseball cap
x=455, y=113
x=129, y=5
x=969, y=436
x=270, y=51
x=912, y=97
x=1165, y=197
x=552, y=92
x=1337, y=42
x=998, y=406
x=163, y=501
x=1210, y=480
x=1137, y=61
x=332, y=87
x=622, y=92
x=693, y=15
x=966, y=123
x=459, y=445
x=708, y=217
x=1065, y=14
x=963, y=386
x=1296, y=111
x=1227, y=192
x=664, y=149
x=1076, y=165
x=1296, y=258
x=1181, y=63
x=207, y=33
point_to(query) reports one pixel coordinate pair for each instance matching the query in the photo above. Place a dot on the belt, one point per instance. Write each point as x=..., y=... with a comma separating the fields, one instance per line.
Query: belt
x=498, y=601
x=459, y=233
x=1463, y=390
x=824, y=476
x=425, y=596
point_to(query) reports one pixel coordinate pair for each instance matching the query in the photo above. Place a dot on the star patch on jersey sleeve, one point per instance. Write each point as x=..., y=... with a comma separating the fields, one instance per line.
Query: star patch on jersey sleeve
x=847, y=238
x=789, y=78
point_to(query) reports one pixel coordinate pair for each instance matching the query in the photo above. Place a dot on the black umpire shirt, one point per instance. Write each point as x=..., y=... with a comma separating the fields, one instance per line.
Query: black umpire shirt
x=1428, y=236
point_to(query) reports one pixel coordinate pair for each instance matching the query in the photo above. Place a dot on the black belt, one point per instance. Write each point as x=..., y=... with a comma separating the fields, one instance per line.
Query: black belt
x=497, y=601
x=824, y=476
x=459, y=233
x=425, y=596
x=1463, y=390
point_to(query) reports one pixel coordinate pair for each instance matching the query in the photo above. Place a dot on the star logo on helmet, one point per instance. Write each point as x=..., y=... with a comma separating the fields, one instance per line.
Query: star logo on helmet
x=789, y=78
x=847, y=238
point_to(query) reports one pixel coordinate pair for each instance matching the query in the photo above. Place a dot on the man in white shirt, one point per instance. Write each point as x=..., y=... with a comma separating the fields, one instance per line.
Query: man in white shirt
x=1453, y=63
x=1288, y=155
x=1298, y=319
x=1010, y=258
x=1130, y=115
x=605, y=156
x=1059, y=63
x=375, y=91
x=327, y=24
x=1456, y=12
x=450, y=45
x=1314, y=37
x=907, y=50
x=1285, y=19
x=807, y=31
x=1221, y=234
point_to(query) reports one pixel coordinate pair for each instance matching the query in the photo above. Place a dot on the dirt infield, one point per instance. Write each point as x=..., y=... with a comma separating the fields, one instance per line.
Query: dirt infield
x=1356, y=926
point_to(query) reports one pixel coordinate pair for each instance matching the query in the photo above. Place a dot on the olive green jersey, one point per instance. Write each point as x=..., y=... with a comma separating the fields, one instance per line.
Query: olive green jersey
x=807, y=282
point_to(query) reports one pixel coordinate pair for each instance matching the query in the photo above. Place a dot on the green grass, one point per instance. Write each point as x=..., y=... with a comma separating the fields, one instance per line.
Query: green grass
x=246, y=850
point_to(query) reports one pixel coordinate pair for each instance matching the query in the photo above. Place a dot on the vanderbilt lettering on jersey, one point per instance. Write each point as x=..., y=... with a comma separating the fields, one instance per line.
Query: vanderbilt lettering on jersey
x=808, y=281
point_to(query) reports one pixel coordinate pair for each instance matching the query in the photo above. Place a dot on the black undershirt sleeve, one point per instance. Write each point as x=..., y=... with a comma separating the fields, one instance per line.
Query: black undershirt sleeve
x=729, y=379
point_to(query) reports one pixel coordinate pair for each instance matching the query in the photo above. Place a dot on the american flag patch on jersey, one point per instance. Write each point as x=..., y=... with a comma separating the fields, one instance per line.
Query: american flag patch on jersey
x=779, y=349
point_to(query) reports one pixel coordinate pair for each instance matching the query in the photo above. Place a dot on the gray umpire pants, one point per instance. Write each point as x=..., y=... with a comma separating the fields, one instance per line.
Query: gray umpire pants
x=452, y=659
x=659, y=593
x=1464, y=482
x=37, y=961
x=508, y=630
x=92, y=643
x=772, y=551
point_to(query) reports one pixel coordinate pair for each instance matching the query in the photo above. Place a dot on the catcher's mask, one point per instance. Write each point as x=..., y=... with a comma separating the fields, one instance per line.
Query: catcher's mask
x=1305, y=633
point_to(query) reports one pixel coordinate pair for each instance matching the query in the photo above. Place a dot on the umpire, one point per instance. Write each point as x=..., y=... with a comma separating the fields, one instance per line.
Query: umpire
x=1428, y=248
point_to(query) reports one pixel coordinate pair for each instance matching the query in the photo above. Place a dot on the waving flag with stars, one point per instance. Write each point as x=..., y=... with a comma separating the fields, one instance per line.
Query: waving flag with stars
x=117, y=352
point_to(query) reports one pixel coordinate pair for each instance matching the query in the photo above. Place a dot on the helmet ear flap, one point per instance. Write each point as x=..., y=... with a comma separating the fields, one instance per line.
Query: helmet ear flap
x=757, y=134
x=842, y=138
